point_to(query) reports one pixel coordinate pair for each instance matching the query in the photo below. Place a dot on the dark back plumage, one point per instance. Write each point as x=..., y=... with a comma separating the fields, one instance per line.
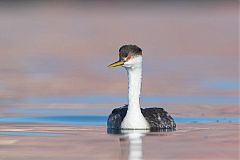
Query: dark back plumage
x=157, y=118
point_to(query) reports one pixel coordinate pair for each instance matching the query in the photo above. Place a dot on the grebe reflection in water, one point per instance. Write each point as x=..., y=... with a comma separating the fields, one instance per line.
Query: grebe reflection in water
x=134, y=139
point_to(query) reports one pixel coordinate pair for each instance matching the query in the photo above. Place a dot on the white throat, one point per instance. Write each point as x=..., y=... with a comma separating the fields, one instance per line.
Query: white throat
x=134, y=88
x=134, y=118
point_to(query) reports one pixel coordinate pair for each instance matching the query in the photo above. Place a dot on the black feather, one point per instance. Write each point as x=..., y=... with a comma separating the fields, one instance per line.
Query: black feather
x=157, y=118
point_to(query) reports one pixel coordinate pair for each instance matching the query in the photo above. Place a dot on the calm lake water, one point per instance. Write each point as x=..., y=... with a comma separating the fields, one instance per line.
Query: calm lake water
x=79, y=117
x=56, y=91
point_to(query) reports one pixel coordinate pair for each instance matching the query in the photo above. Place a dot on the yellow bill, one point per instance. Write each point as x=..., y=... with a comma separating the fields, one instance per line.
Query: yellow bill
x=115, y=64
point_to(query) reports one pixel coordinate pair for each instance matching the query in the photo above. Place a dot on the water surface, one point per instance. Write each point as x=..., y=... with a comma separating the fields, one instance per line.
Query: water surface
x=72, y=118
x=38, y=134
x=56, y=91
x=146, y=99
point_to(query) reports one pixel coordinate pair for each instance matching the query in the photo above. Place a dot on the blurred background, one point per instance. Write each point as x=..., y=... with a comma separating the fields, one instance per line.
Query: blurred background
x=55, y=83
x=62, y=48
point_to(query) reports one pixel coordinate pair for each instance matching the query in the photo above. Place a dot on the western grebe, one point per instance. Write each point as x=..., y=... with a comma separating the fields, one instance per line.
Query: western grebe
x=132, y=116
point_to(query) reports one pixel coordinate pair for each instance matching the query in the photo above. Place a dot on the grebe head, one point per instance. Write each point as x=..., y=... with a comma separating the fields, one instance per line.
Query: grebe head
x=130, y=56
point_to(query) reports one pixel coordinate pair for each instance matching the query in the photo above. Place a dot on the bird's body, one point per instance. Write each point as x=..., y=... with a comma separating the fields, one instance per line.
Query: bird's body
x=157, y=118
x=133, y=116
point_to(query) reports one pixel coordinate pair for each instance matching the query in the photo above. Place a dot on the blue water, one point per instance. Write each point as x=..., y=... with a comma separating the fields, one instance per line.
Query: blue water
x=226, y=85
x=102, y=119
x=92, y=116
x=59, y=110
x=42, y=134
x=210, y=100
x=72, y=119
x=79, y=116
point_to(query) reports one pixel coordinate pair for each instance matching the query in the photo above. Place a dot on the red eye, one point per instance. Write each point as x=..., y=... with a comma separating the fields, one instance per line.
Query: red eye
x=128, y=57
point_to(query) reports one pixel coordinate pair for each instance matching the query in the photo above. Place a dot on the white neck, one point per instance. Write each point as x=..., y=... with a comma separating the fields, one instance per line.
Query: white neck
x=134, y=118
x=134, y=88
